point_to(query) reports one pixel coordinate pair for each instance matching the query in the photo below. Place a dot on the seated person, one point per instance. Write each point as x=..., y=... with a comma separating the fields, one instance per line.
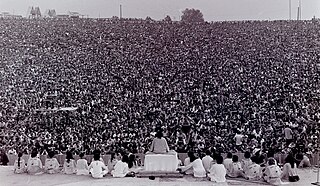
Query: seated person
x=34, y=165
x=69, y=166
x=253, y=172
x=51, y=165
x=187, y=162
x=227, y=161
x=246, y=162
x=159, y=144
x=207, y=161
x=290, y=169
x=218, y=171
x=82, y=165
x=195, y=165
x=97, y=167
x=113, y=161
x=235, y=170
x=19, y=165
x=303, y=160
x=272, y=173
x=121, y=169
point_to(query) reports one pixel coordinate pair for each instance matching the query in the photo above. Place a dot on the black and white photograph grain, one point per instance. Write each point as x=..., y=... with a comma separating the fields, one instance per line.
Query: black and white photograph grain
x=159, y=92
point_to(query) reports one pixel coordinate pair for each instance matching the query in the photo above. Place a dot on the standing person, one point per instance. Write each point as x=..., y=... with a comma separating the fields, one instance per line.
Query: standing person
x=218, y=171
x=69, y=166
x=19, y=165
x=195, y=165
x=97, y=167
x=207, y=161
x=288, y=134
x=272, y=173
x=238, y=138
x=34, y=165
x=82, y=165
x=51, y=165
x=290, y=169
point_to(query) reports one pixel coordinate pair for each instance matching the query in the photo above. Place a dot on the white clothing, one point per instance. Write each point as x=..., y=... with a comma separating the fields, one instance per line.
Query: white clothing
x=82, y=167
x=235, y=170
x=34, y=165
x=288, y=171
x=253, y=172
x=245, y=163
x=69, y=168
x=218, y=173
x=185, y=163
x=51, y=165
x=19, y=169
x=272, y=175
x=238, y=138
x=226, y=163
x=159, y=146
x=207, y=161
x=96, y=169
x=197, y=167
x=121, y=169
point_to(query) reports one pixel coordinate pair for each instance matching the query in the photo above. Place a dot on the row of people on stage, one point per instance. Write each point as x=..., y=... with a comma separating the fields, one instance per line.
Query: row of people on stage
x=250, y=168
x=118, y=165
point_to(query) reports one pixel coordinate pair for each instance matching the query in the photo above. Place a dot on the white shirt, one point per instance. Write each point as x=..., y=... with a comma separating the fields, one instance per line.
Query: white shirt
x=82, y=164
x=198, y=169
x=69, y=168
x=22, y=167
x=218, y=173
x=96, y=168
x=207, y=161
x=227, y=162
x=51, y=164
x=34, y=165
x=121, y=169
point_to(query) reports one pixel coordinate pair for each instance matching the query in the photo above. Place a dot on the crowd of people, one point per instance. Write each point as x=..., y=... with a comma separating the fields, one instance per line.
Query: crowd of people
x=232, y=86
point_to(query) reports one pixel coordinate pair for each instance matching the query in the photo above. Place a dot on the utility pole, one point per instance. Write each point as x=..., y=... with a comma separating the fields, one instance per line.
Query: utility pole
x=120, y=11
x=289, y=9
x=300, y=10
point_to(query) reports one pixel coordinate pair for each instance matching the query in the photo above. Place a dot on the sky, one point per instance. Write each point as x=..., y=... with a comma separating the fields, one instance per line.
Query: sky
x=213, y=10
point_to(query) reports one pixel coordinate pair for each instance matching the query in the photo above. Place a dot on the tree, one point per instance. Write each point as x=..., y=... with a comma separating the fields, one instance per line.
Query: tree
x=192, y=16
x=167, y=19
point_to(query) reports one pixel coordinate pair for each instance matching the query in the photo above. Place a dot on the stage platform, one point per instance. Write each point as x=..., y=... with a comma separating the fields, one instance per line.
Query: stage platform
x=8, y=178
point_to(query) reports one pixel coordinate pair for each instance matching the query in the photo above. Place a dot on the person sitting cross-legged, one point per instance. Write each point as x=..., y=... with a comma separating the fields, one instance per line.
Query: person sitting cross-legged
x=253, y=171
x=218, y=171
x=235, y=169
x=51, y=165
x=97, y=167
x=272, y=173
x=195, y=165
x=19, y=165
x=82, y=165
x=34, y=165
x=121, y=169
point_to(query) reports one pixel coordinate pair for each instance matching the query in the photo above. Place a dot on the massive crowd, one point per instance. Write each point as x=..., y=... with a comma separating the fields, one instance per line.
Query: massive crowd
x=228, y=86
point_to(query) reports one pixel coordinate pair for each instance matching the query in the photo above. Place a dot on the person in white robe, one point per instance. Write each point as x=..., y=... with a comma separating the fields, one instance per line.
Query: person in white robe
x=51, y=165
x=207, y=161
x=253, y=171
x=121, y=169
x=19, y=165
x=272, y=173
x=34, y=165
x=196, y=166
x=97, y=168
x=218, y=171
x=82, y=167
x=235, y=169
x=69, y=166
